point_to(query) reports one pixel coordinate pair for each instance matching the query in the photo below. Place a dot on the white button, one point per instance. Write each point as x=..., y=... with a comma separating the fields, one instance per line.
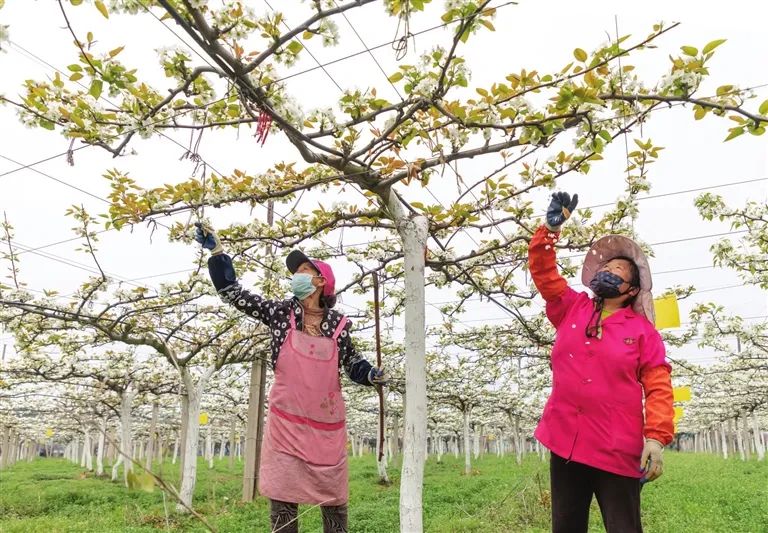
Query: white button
x=573, y=326
x=586, y=342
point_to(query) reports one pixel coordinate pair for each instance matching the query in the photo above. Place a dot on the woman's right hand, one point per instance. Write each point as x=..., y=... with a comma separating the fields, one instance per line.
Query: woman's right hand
x=560, y=209
x=208, y=239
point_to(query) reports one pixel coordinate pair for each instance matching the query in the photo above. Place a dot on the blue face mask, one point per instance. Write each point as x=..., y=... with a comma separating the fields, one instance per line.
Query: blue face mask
x=607, y=285
x=301, y=285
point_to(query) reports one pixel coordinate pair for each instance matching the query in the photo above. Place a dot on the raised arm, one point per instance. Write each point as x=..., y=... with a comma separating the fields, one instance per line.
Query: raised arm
x=224, y=278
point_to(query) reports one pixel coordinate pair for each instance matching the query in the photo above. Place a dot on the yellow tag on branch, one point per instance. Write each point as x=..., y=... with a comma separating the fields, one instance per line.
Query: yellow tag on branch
x=49, y=433
x=203, y=419
x=667, y=312
x=682, y=394
x=678, y=414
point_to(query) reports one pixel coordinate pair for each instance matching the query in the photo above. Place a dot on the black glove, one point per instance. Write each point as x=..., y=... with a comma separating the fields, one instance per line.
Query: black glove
x=560, y=209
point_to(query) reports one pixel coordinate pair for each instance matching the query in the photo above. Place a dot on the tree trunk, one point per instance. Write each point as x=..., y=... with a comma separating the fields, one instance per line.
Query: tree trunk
x=478, y=429
x=759, y=445
x=152, y=443
x=395, y=434
x=413, y=232
x=467, y=458
x=192, y=397
x=724, y=442
x=232, y=433
x=100, y=447
x=381, y=455
x=209, y=445
x=254, y=425
x=175, y=450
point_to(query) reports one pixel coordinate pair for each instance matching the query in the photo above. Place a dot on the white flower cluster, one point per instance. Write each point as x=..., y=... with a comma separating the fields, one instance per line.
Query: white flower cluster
x=290, y=110
x=4, y=36
x=223, y=18
x=458, y=137
x=325, y=117
x=197, y=4
x=626, y=80
x=680, y=81
x=426, y=87
x=329, y=31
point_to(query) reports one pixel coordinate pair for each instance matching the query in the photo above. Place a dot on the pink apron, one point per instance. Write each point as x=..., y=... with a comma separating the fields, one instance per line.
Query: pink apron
x=304, y=454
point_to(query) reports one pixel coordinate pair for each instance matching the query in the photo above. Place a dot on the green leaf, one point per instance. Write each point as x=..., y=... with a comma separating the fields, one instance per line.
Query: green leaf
x=76, y=76
x=487, y=24
x=295, y=47
x=102, y=8
x=113, y=53
x=735, y=132
x=75, y=68
x=690, y=50
x=763, y=108
x=47, y=124
x=580, y=55
x=712, y=45
x=307, y=35
x=2, y=3
x=397, y=76
x=700, y=113
x=96, y=87
x=76, y=2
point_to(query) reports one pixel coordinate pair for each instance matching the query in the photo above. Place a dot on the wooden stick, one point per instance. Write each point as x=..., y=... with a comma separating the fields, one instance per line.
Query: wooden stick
x=378, y=360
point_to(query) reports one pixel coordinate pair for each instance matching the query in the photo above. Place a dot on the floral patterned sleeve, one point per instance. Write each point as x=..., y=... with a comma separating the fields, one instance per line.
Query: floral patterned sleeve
x=225, y=280
x=355, y=366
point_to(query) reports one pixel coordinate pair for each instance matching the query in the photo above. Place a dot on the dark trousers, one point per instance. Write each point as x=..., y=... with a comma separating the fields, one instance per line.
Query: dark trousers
x=573, y=485
x=284, y=517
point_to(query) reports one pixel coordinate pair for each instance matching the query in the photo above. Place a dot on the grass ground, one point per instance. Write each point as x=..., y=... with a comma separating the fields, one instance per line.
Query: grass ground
x=698, y=493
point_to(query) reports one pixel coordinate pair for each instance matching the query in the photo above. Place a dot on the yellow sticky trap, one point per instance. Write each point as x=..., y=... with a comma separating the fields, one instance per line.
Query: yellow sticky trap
x=682, y=394
x=667, y=312
x=49, y=433
x=678, y=414
x=203, y=419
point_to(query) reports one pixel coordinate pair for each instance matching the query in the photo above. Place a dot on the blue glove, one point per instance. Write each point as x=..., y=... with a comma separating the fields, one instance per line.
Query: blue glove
x=560, y=209
x=377, y=376
x=208, y=239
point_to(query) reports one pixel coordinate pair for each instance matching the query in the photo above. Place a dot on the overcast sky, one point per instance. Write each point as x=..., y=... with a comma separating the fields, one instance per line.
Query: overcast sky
x=533, y=35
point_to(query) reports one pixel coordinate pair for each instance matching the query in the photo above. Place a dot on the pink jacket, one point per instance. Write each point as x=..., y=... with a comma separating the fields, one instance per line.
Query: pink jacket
x=594, y=415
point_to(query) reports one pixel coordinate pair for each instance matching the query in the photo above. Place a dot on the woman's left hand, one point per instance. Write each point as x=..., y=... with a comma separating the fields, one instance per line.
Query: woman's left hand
x=377, y=376
x=651, y=462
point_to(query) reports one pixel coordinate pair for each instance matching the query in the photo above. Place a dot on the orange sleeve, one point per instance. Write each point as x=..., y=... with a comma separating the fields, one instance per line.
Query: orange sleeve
x=659, y=409
x=543, y=266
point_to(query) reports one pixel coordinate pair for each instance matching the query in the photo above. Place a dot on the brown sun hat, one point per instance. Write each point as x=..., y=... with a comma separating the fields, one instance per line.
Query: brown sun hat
x=610, y=247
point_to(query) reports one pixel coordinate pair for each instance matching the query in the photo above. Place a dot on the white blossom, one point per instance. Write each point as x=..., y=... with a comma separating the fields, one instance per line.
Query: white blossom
x=4, y=36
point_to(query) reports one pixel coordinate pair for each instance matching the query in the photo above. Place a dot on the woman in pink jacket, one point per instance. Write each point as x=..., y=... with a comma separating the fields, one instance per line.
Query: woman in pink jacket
x=610, y=412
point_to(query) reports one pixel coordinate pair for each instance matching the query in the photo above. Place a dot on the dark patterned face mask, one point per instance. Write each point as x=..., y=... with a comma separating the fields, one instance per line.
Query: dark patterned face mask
x=607, y=285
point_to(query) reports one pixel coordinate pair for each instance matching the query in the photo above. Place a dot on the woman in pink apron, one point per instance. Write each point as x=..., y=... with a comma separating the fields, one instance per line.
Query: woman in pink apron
x=610, y=412
x=303, y=455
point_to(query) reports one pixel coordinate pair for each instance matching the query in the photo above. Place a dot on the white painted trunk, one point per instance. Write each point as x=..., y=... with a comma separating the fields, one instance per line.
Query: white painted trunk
x=192, y=396
x=116, y=466
x=759, y=444
x=381, y=445
x=232, y=444
x=476, y=441
x=100, y=447
x=467, y=457
x=83, y=449
x=87, y=447
x=175, y=450
x=455, y=446
x=724, y=442
x=413, y=232
x=222, y=445
x=739, y=440
x=500, y=444
x=126, y=421
x=353, y=441
x=209, y=446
